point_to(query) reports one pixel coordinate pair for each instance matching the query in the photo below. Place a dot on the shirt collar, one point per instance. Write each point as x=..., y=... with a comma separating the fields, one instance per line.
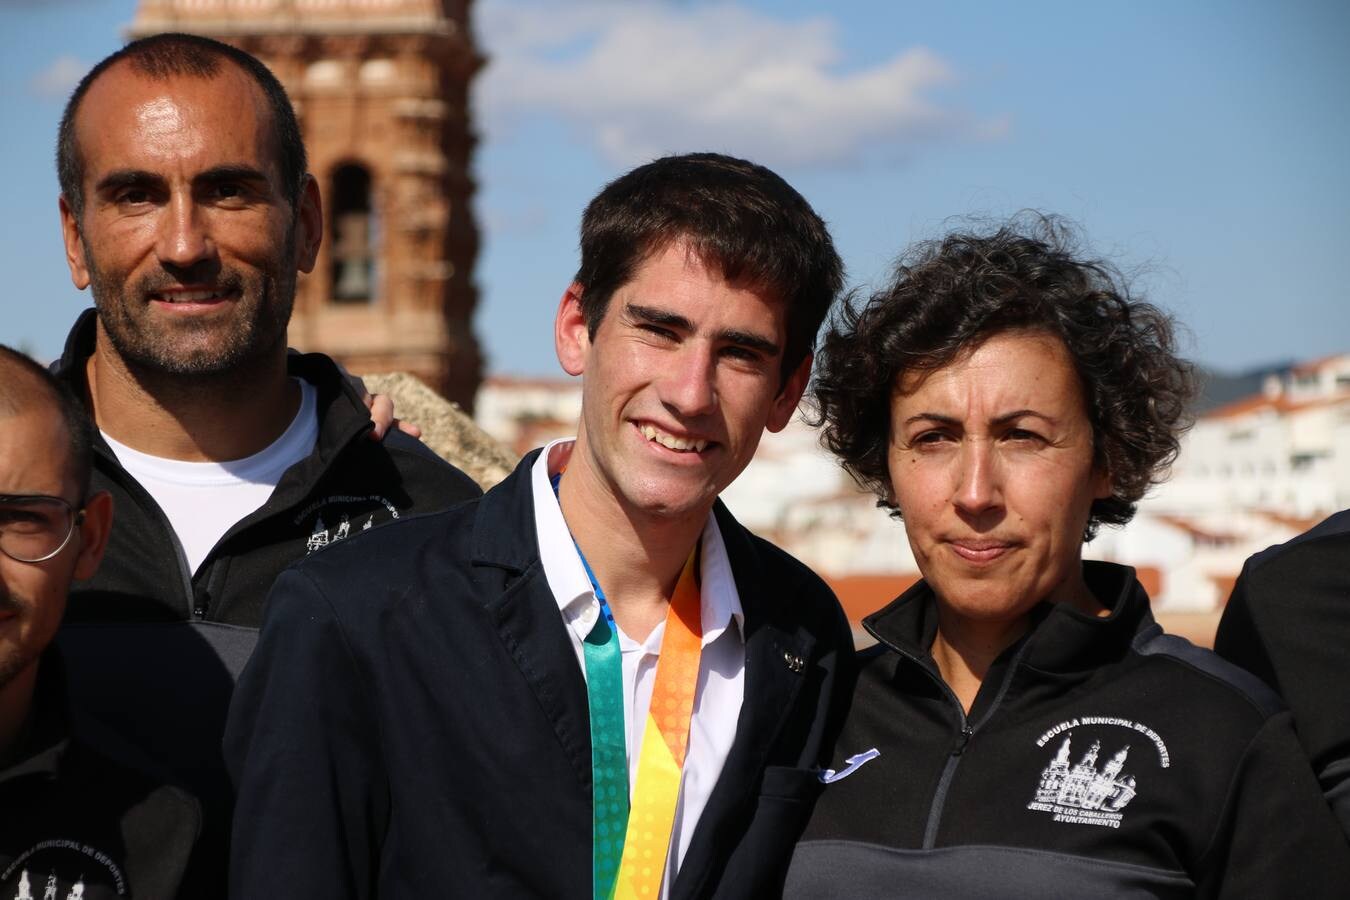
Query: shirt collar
x=721, y=602
x=567, y=579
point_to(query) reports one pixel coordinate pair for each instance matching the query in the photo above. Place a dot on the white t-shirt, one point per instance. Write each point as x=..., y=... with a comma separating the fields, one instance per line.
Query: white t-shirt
x=203, y=500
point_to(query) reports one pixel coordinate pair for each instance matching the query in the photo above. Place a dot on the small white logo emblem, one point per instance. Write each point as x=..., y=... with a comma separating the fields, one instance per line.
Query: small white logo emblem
x=1083, y=794
x=854, y=763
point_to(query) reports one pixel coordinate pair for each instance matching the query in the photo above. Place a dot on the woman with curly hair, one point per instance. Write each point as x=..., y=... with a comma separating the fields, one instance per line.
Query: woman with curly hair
x=1023, y=727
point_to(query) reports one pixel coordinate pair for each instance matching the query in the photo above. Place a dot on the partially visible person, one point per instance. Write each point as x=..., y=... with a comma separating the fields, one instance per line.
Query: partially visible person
x=188, y=211
x=1023, y=728
x=593, y=682
x=1288, y=622
x=72, y=822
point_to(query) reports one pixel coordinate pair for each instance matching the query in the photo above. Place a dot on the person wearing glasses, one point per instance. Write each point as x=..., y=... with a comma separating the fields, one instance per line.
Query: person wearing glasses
x=72, y=823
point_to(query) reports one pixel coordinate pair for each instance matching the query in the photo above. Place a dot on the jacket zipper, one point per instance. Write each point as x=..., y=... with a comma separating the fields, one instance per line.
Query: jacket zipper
x=966, y=732
x=964, y=735
x=115, y=472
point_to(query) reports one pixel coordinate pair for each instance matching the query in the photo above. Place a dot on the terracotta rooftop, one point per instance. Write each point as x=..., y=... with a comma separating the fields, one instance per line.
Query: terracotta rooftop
x=1282, y=405
x=1223, y=586
x=862, y=595
x=1196, y=531
x=1251, y=404
x=1299, y=524
x=507, y=382
x=1150, y=579
x=1316, y=365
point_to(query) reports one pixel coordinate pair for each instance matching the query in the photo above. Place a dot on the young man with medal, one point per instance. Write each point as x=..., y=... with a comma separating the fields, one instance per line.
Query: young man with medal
x=592, y=682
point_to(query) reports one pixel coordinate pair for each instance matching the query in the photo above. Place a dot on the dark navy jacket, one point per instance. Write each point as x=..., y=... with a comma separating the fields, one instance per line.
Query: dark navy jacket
x=1101, y=758
x=1288, y=621
x=414, y=722
x=347, y=479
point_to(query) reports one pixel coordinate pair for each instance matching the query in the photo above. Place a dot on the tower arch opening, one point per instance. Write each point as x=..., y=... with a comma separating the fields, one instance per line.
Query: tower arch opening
x=354, y=226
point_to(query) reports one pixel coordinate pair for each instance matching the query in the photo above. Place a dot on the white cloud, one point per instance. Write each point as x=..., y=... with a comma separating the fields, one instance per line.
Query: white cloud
x=59, y=78
x=528, y=220
x=642, y=77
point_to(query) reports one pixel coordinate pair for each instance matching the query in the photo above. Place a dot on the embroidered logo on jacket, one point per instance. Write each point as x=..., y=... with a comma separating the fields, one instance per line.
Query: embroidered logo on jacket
x=851, y=765
x=62, y=870
x=1090, y=792
x=346, y=514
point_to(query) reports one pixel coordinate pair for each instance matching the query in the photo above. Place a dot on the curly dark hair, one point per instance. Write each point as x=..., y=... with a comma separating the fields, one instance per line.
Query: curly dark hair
x=949, y=295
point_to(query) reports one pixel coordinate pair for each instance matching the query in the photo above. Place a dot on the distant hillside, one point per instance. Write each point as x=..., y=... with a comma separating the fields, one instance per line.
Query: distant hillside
x=1218, y=388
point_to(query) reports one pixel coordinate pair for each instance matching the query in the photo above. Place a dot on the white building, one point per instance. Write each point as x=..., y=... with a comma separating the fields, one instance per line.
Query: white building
x=1251, y=473
x=524, y=413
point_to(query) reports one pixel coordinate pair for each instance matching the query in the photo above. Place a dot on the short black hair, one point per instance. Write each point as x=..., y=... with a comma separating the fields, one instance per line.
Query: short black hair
x=737, y=217
x=162, y=56
x=950, y=295
x=15, y=397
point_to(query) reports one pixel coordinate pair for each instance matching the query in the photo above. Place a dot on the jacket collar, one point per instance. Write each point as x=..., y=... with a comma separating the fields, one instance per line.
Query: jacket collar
x=508, y=509
x=342, y=416
x=1061, y=639
x=503, y=529
x=776, y=644
x=526, y=615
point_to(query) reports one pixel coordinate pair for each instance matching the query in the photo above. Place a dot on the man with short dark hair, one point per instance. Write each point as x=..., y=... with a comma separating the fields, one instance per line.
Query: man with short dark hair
x=592, y=682
x=187, y=209
x=72, y=822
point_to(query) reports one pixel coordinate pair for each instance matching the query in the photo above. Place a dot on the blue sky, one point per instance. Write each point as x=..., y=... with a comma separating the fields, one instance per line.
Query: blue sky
x=1203, y=145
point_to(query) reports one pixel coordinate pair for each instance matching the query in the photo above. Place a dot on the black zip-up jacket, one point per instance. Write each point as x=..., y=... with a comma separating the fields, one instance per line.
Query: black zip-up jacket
x=1288, y=622
x=75, y=823
x=348, y=483
x=153, y=650
x=1101, y=758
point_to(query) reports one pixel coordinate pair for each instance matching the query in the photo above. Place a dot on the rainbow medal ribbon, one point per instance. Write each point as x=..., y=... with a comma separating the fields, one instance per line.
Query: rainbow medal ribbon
x=609, y=753
x=665, y=740
x=629, y=847
x=609, y=750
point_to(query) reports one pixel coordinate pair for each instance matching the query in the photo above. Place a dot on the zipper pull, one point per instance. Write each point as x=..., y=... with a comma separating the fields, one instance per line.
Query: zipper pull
x=966, y=733
x=202, y=605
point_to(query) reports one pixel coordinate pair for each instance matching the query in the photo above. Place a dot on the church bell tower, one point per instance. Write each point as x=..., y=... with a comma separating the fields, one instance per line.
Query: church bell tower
x=381, y=90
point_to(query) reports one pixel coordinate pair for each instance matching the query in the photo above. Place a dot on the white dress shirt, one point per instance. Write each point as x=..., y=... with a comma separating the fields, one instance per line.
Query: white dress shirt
x=721, y=668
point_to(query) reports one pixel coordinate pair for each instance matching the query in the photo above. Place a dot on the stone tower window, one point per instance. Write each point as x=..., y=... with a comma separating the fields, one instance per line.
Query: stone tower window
x=324, y=73
x=355, y=235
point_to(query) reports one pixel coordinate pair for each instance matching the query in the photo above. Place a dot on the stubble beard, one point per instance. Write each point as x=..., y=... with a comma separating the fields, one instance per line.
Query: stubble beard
x=22, y=656
x=211, y=350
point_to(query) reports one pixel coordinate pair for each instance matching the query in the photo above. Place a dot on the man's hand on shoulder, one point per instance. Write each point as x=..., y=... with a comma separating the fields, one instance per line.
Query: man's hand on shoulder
x=381, y=407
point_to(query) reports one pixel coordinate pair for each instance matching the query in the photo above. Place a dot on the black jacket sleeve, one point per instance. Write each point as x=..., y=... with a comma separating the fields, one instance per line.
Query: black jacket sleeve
x=1277, y=838
x=303, y=749
x=1288, y=623
x=790, y=786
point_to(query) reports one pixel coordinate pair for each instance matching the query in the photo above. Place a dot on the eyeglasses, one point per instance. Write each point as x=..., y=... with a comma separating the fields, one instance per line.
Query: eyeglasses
x=35, y=527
